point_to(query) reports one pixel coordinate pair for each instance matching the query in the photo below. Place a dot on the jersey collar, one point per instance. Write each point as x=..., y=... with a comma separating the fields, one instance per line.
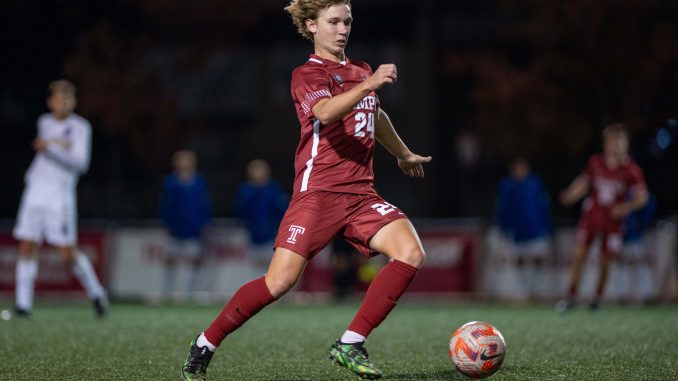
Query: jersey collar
x=326, y=62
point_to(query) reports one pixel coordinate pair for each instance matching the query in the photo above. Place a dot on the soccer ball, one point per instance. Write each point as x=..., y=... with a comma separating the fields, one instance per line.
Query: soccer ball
x=477, y=349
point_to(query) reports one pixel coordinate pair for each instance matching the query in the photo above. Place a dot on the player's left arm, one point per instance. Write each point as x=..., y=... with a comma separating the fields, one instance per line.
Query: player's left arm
x=409, y=162
x=76, y=155
x=639, y=195
x=638, y=199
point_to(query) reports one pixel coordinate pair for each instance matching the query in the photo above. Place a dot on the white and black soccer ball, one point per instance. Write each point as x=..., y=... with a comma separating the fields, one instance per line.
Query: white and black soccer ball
x=477, y=349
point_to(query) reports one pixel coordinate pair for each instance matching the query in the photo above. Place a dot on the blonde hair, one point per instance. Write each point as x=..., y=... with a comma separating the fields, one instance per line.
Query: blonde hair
x=302, y=10
x=61, y=86
x=615, y=129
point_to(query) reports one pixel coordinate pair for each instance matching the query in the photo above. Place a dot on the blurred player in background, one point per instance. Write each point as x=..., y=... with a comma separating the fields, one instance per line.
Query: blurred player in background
x=48, y=210
x=523, y=214
x=261, y=204
x=616, y=187
x=341, y=120
x=185, y=209
x=634, y=277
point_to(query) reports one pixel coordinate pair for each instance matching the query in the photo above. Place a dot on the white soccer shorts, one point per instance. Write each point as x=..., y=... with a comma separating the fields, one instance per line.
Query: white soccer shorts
x=46, y=217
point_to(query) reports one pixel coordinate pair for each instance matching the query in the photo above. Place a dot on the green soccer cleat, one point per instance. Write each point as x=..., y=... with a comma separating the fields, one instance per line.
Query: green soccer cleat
x=354, y=357
x=195, y=366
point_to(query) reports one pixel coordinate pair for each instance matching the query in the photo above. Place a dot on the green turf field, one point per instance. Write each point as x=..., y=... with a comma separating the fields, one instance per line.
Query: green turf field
x=287, y=342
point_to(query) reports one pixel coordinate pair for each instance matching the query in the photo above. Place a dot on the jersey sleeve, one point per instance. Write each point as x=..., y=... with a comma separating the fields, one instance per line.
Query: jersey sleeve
x=41, y=125
x=77, y=155
x=369, y=73
x=310, y=85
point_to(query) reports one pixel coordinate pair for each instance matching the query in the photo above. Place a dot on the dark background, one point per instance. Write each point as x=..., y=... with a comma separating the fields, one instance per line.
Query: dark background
x=480, y=82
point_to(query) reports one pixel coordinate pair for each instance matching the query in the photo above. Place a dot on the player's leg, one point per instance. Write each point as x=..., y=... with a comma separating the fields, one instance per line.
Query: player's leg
x=61, y=232
x=537, y=252
x=29, y=232
x=581, y=249
x=578, y=260
x=285, y=269
x=603, y=271
x=172, y=251
x=399, y=241
x=196, y=257
x=586, y=231
x=521, y=279
x=26, y=273
x=310, y=222
x=83, y=271
x=610, y=250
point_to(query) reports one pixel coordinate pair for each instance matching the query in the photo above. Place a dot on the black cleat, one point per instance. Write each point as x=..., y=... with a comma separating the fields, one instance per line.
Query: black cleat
x=195, y=366
x=22, y=313
x=594, y=305
x=100, y=306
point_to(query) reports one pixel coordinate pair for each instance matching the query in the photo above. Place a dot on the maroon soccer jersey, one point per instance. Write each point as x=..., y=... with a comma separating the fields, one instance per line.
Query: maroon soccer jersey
x=336, y=157
x=610, y=187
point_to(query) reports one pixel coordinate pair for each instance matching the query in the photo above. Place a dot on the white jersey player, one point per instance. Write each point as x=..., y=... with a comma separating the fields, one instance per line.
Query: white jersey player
x=48, y=209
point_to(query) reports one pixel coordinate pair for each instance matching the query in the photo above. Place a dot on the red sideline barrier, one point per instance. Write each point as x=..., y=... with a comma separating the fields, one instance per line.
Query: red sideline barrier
x=52, y=274
x=449, y=267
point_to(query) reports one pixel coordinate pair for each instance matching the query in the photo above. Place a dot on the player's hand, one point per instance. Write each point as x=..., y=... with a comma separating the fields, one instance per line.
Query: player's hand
x=411, y=165
x=40, y=144
x=385, y=74
x=63, y=143
x=620, y=211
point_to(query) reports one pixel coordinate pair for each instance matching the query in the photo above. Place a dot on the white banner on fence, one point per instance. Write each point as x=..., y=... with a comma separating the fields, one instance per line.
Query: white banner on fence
x=644, y=279
x=139, y=264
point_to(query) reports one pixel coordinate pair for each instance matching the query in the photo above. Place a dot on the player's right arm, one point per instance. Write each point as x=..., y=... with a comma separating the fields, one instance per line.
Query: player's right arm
x=577, y=189
x=330, y=110
x=74, y=155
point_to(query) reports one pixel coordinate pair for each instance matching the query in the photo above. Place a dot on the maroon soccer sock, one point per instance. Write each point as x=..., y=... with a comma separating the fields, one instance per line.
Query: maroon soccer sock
x=572, y=290
x=382, y=296
x=600, y=290
x=247, y=301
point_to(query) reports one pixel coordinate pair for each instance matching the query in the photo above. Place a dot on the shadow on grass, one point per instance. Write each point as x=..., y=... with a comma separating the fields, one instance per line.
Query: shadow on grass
x=446, y=375
x=450, y=374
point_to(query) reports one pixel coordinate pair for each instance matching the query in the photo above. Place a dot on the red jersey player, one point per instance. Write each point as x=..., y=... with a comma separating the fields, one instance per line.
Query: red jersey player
x=608, y=179
x=340, y=117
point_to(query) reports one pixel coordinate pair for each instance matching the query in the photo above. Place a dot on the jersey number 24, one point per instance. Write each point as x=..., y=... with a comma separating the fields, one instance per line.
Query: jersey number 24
x=364, y=122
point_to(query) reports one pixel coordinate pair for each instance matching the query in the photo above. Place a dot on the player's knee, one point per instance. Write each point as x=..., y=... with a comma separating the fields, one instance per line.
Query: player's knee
x=280, y=285
x=26, y=255
x=67, y=254
x=413, y=256
x=27, y=249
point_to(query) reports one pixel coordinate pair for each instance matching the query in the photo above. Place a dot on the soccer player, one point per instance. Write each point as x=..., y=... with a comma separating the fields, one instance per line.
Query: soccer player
x=185, y=209
x=523, y=214
x=48, y=205
x=616, y=187
x=341, y=119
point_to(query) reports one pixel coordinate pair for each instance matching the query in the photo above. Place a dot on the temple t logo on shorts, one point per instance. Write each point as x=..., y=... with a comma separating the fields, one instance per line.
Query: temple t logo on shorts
x=294, y=230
